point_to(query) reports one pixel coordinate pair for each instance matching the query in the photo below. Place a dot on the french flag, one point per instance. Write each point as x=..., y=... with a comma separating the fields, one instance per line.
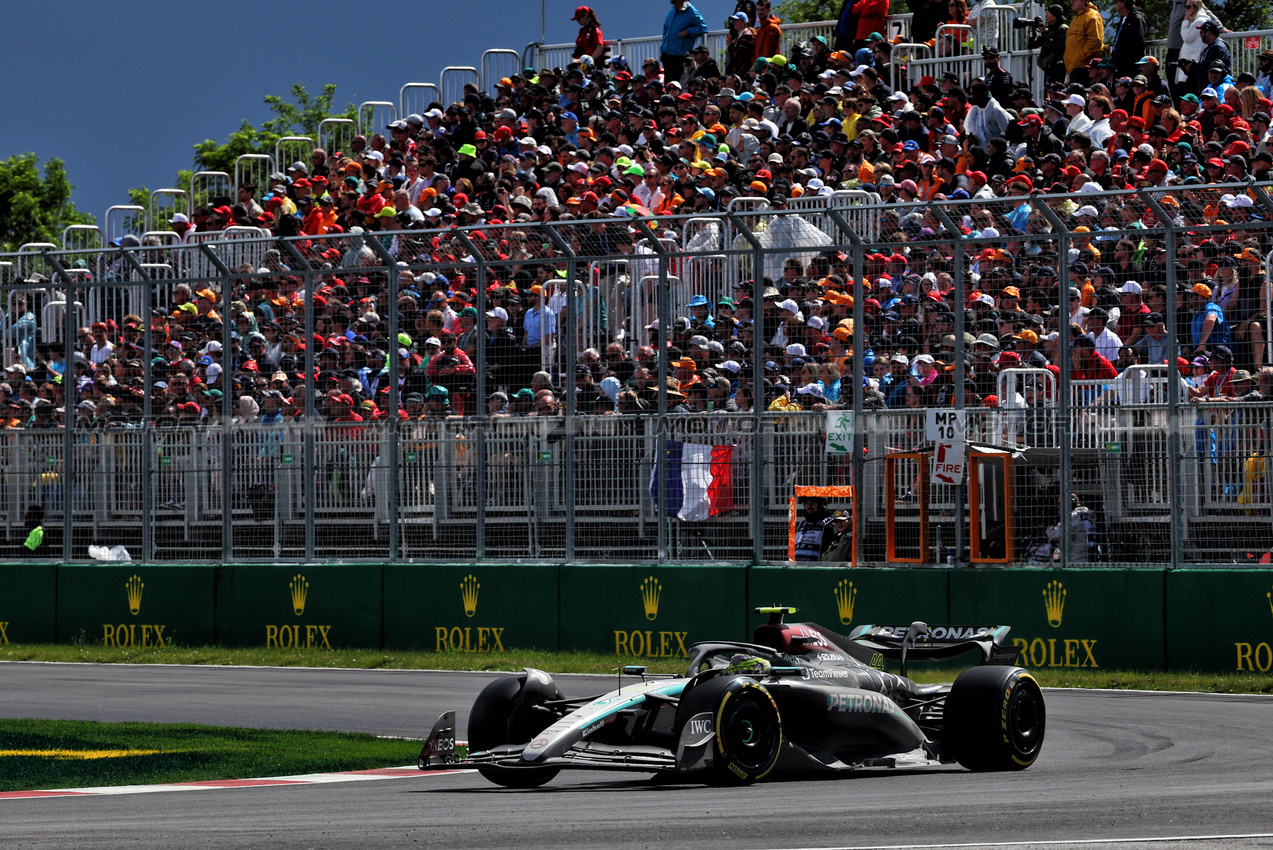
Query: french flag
x=700, y=480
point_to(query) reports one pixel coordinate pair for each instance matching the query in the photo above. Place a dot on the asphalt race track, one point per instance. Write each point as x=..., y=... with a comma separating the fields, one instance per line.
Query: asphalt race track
x=1117, y=768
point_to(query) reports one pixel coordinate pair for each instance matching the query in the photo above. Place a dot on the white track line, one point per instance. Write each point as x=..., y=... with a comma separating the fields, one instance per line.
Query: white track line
x=216, y=784
x=1083, y=842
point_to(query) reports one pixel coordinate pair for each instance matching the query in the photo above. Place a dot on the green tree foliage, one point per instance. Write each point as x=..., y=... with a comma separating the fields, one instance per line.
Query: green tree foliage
x=290, y=119
x=35, y=207
x=300, y=118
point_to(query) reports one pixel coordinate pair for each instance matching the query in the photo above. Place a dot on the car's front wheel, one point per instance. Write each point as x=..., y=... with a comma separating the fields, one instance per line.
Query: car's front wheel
x=510, y=711
x=748, y=733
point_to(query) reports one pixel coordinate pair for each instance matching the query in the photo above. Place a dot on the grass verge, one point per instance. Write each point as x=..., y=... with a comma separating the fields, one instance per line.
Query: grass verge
x=42, y=754
x=574, y=662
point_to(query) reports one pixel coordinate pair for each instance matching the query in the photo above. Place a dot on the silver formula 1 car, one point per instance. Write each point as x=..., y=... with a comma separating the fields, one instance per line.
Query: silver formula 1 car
x=800, y=698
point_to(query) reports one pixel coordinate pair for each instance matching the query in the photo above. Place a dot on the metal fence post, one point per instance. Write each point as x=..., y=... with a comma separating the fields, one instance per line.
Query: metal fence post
x=566, y=350
x=68, y=408
x=660, y=439
x=1063, y=424
x=757, y=507
x=483, y=416
x=1174, y=459
x=227, y=414
x=311, y=454
x=147, y=436
x=859, y=372
x=961, y=400
x=391, y=302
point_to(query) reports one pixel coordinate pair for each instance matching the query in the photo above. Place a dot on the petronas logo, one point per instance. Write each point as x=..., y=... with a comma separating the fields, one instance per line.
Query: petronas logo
x=468, y=591
x=300, y=589
x=134, y=587
x=1054, y=601
x=651, y=590
x=845, y=596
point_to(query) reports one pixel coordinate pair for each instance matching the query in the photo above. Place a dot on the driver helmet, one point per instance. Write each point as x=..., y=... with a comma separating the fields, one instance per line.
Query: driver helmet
x=748, y=665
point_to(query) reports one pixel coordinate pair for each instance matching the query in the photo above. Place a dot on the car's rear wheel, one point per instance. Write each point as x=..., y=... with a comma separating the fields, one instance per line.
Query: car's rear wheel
x=995, y=719
x=511, y=711
x=748, y=733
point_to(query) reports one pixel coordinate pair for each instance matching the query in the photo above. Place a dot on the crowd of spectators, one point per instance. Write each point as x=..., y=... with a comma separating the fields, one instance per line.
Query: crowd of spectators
x=597, y=144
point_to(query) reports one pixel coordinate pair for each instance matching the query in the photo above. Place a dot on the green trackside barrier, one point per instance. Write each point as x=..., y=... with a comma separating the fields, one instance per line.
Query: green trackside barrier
x=28, y=603
x=651, y=612
x=315, y=606
x=1220, y=620
x=136, y=605
x=471, y=608
x=841, y=598
x=1068, y=618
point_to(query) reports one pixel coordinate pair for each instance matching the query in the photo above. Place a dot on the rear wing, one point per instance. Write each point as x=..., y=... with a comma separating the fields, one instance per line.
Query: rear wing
x=936, y=643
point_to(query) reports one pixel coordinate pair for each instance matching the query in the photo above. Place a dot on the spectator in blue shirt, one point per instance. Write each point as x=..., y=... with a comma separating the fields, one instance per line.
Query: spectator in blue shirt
x=681, y=30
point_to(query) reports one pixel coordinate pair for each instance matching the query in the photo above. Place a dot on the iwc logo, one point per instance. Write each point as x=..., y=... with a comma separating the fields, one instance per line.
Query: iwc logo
x=1054, y=602
x=1056, y=652
x=133, y=634
x=845, y=596
x=1257, y=656
x=651, y=644
x=469, y=638
x=295, y=636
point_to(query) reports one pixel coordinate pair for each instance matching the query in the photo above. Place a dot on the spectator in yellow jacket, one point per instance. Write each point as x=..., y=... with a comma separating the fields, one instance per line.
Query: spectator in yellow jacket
x=1084, y=41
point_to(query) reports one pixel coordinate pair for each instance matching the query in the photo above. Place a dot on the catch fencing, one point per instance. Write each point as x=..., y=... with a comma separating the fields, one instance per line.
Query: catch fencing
x=1137, y=468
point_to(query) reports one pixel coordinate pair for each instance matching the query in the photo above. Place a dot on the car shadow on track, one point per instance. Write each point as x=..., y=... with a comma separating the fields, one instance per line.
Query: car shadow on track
x=661, y=782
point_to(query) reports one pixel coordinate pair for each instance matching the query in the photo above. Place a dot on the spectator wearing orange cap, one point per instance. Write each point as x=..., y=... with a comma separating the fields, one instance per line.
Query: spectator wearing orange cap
x=1208, y=327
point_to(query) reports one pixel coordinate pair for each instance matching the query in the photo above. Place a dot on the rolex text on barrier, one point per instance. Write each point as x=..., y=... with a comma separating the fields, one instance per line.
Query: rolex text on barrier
x=27, y=603
x=471, y=608
x=308, y=607
x=1238, y=608
x=131, y=605
x=1069, y=618
x=651, y=612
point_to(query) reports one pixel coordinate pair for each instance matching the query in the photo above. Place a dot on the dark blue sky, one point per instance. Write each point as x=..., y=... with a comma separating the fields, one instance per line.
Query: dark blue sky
x=122, y=92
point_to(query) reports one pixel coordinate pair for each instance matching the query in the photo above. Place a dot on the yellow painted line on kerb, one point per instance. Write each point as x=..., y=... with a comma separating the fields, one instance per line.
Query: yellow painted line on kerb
x=82, y=754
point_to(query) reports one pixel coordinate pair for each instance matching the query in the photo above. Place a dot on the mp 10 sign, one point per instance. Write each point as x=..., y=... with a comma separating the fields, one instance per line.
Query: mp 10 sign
x=946, y=430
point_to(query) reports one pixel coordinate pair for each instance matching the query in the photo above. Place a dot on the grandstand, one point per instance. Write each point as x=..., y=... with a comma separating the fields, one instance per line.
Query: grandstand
x=482, y=320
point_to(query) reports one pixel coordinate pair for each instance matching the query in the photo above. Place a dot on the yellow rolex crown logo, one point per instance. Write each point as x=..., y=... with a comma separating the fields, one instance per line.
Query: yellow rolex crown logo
x=845, y=595
x=468, y=591
x=134, y=586
x=1270, y=596
x=650, y=592
x=1054, y=601
x=300, y=589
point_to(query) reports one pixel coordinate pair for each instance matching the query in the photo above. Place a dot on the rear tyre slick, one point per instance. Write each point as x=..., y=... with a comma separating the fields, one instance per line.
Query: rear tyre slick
x=995, y=719
x=748, y=733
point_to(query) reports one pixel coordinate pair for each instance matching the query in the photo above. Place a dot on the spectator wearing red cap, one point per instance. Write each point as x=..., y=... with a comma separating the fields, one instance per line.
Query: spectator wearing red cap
x=589, y=42
x=1039, y=138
